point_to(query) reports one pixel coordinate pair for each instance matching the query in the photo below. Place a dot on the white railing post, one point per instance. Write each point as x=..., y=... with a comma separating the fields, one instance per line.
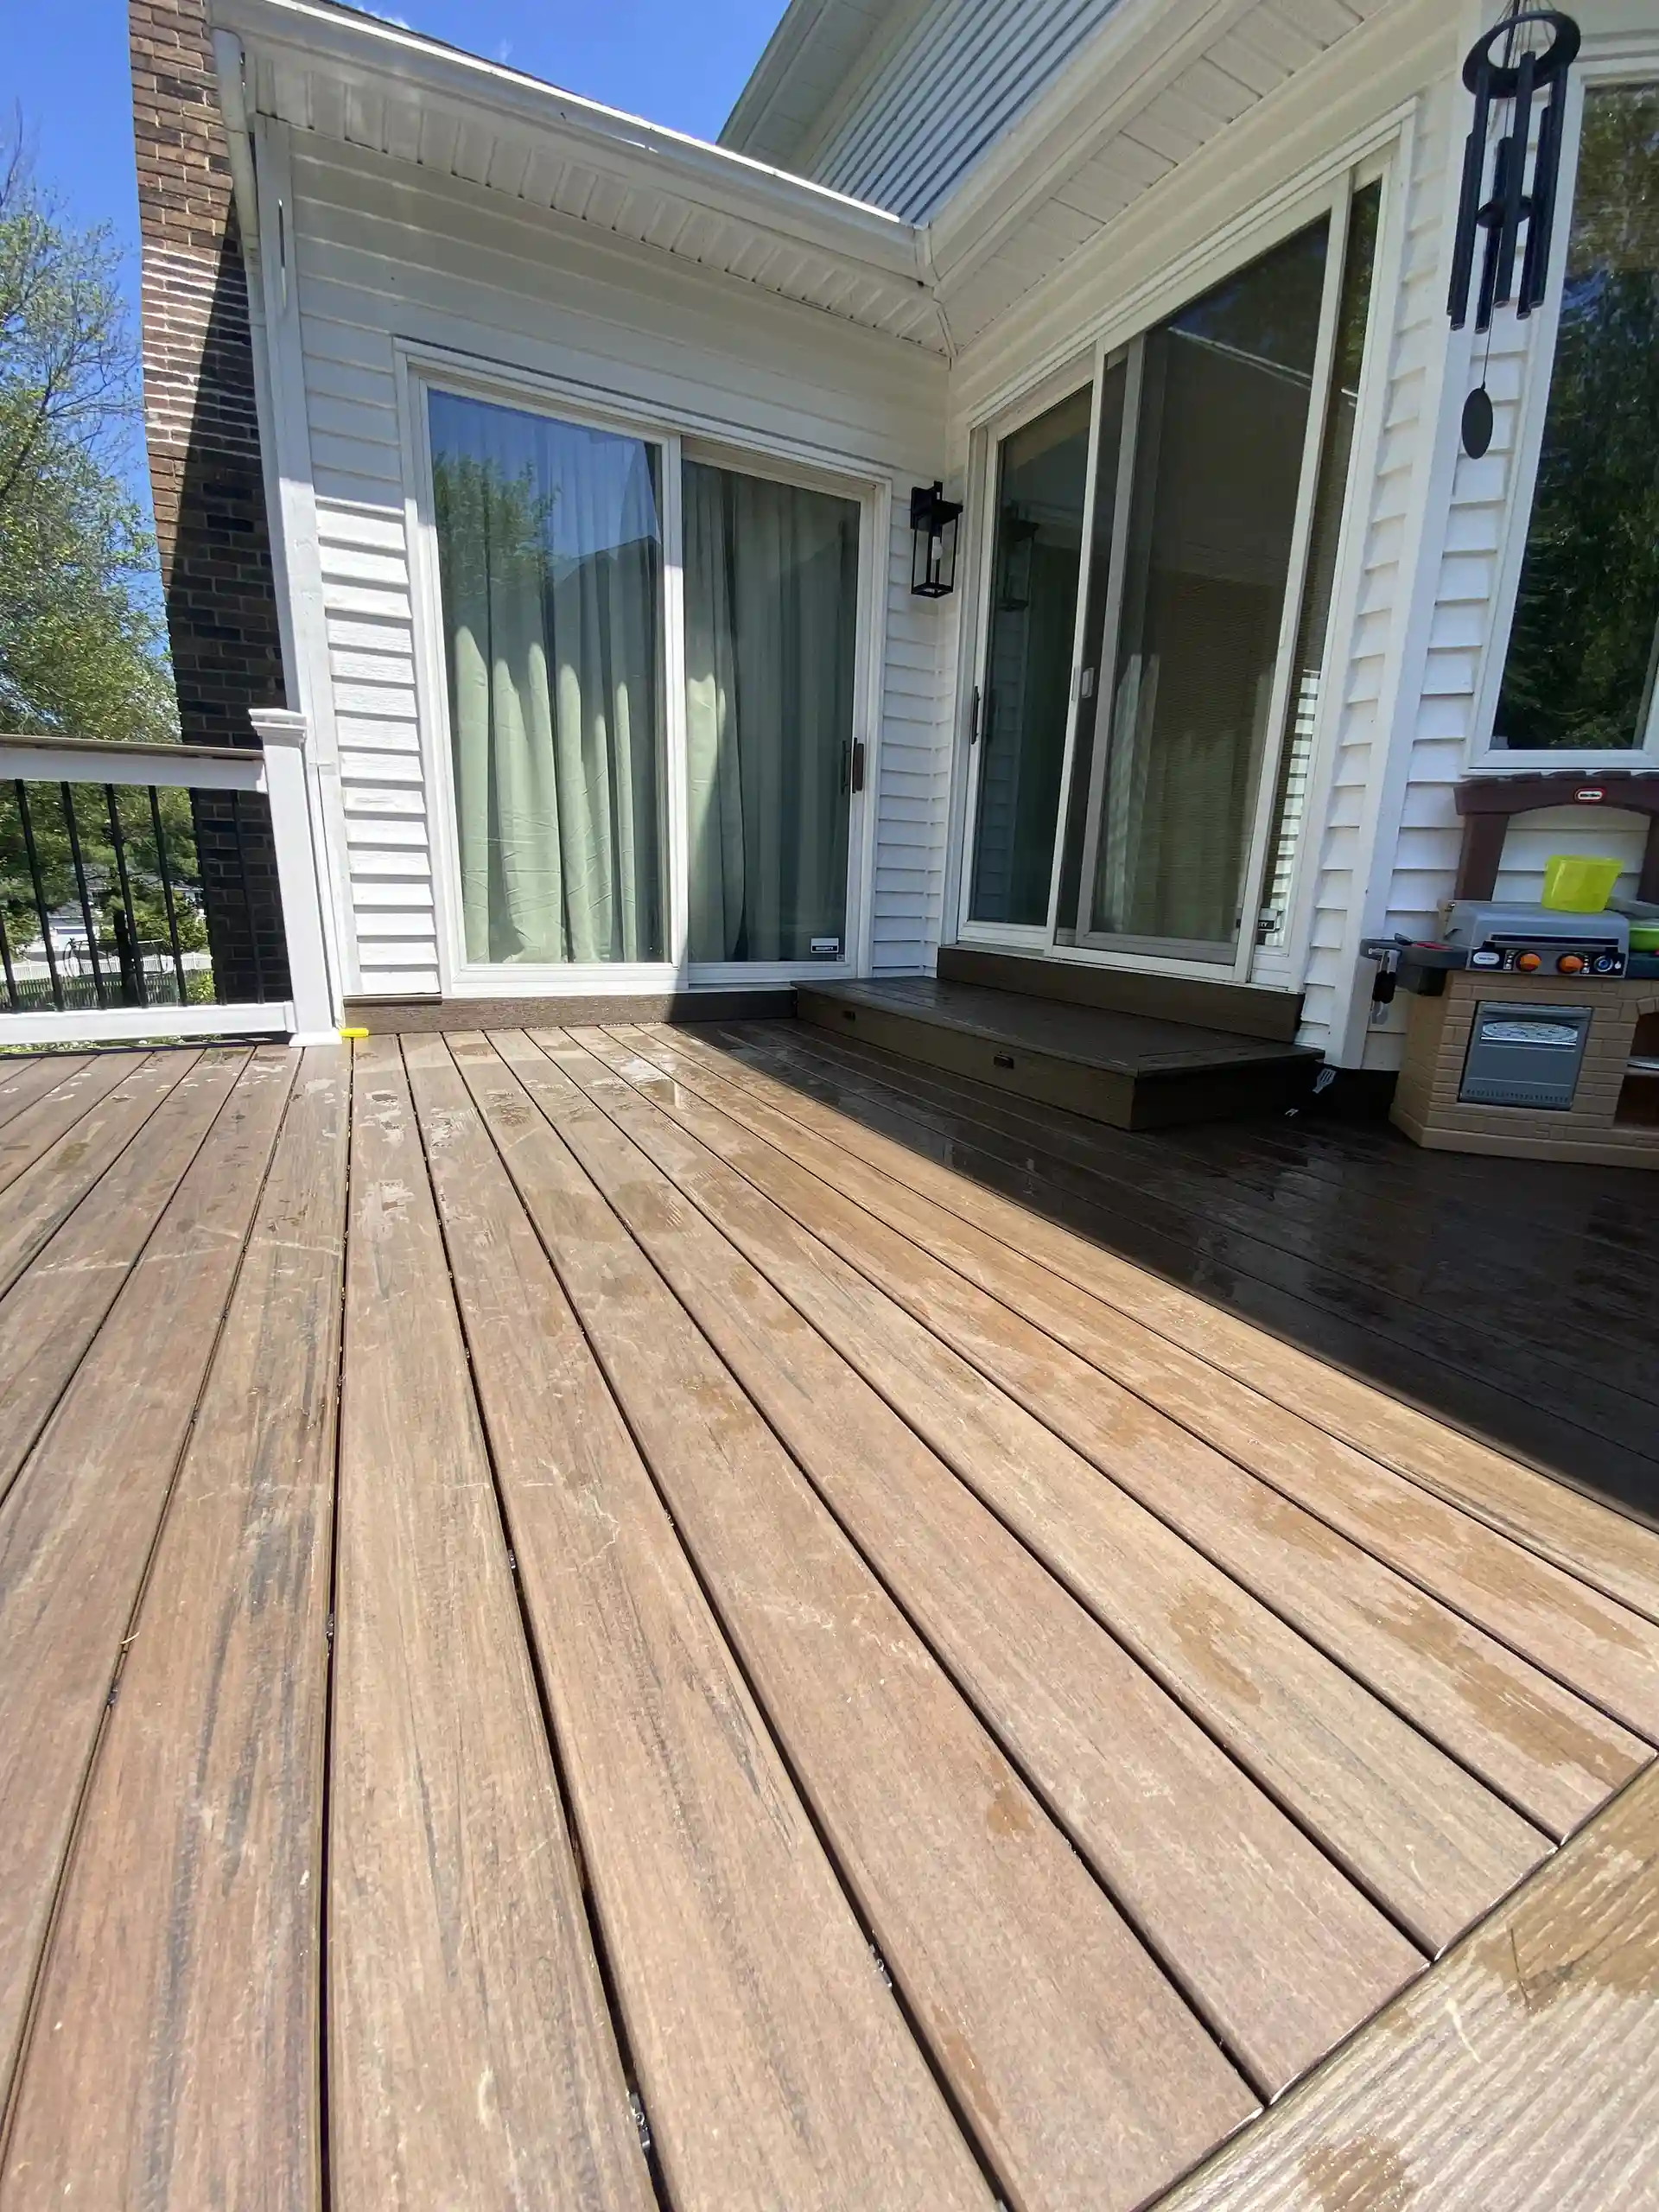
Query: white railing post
x=299, y=873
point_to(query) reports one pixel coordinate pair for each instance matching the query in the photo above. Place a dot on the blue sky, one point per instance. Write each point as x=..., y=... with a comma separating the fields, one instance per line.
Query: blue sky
x=64, y=62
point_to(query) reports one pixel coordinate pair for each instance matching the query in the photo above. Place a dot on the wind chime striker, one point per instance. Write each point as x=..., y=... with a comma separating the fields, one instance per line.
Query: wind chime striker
x=1539, y=48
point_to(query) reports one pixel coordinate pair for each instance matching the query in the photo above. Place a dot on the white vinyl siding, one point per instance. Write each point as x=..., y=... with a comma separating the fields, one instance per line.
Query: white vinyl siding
x=954, y=80
x=385, y=253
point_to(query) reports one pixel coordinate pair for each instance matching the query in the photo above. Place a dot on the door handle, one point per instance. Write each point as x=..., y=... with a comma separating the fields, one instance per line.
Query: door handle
x=858, y=764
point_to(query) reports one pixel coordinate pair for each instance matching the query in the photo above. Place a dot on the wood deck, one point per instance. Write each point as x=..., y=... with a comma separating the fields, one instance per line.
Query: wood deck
x=587, y=1621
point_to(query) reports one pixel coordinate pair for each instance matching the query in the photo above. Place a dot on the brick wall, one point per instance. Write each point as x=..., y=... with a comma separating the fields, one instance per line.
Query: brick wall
x=205, y=468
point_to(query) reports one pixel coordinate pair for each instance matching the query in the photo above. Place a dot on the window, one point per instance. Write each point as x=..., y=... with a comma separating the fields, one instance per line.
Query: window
x=1580, y=674
x=568, y=742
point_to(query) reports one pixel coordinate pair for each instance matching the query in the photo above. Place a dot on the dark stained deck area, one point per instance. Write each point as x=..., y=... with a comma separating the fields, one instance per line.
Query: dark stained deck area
x=632, y=1616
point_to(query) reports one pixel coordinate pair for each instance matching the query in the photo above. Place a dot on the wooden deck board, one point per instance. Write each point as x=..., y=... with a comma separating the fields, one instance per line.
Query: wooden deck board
x=1524, y=1734
x=1328, y=1325
x=1420, y=1835
x=198, y=1846
x=1616, y=1555
x=761, y=1541
x=47, y=1191
x=1084, y=2075
x=50, y=1316
x=774, y=2067
x=76, y=1526
x=1277, y=1952
x=1522, y=2073
x=1581, y=1322
x=51, y=1114
x=471, y=2053
x=22, y=1081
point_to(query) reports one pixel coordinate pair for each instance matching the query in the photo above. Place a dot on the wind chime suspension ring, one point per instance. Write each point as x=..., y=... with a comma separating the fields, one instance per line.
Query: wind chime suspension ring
x=1501, y=80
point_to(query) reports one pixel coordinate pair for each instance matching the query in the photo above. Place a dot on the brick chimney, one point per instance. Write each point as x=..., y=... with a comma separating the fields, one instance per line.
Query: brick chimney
x=205, y=472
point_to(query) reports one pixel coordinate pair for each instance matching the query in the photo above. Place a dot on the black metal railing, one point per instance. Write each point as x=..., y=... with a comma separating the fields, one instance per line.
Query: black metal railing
x=133, y=895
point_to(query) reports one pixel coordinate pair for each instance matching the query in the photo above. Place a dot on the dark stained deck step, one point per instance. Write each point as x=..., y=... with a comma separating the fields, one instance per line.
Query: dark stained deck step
x=1131, y=1071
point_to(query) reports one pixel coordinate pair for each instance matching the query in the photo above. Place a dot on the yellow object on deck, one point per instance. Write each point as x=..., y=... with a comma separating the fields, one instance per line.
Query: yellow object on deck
x=1579, y=883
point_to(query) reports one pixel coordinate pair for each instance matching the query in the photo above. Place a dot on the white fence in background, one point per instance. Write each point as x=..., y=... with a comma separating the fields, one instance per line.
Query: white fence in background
x=278, y=772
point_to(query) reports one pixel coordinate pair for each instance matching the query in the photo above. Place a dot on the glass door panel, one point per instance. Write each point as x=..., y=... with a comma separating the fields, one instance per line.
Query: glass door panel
x=551, y=567
x=1041, y=490
x=771, y=655
x=1099, y=622
x=1324, y=535
x=1222, y=426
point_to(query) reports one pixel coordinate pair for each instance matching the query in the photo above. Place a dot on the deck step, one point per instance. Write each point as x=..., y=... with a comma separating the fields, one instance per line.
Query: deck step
x=1131, y=1071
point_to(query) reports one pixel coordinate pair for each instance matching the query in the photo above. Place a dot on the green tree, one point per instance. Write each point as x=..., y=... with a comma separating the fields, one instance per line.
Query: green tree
x=82, y=650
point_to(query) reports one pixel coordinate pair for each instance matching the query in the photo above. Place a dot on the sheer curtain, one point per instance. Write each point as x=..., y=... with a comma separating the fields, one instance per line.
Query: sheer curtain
x=550, y=547
x=770, y=613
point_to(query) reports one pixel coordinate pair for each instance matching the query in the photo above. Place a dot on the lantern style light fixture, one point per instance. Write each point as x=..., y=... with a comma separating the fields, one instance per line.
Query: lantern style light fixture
x=933, y=522
x=1539, y=46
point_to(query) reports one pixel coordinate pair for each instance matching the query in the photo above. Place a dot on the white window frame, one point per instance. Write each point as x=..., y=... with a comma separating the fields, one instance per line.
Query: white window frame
x=1634, y=61
x=421, y=369
x=1328, y=190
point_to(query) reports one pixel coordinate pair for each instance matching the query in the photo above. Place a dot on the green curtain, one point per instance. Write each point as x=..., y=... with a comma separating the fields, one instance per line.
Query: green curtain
x=549, y=545
x=770, y=613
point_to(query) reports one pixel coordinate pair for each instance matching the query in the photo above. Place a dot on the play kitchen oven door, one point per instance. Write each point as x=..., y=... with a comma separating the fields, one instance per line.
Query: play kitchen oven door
x=1522, y=1055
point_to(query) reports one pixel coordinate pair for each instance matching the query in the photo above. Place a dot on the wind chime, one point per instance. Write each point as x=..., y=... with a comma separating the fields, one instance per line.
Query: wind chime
x=1539, y=48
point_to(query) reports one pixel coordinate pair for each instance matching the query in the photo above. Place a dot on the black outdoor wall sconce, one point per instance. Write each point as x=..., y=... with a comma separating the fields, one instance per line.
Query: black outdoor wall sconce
x=1527, y=69
x=933, y=522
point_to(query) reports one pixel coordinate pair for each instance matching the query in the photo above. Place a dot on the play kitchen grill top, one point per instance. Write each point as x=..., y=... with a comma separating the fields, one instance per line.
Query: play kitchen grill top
x=1536, y=940
x=1511, y=941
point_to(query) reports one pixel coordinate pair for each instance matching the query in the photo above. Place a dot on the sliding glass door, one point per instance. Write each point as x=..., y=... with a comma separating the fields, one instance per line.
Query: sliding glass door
x=1036, y=561
x=551, y=560
x=652, y=674
x=1151, y=712
x=771, y=608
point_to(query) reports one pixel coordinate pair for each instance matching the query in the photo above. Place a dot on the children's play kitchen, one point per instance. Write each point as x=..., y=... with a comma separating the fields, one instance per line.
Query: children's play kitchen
x=1533, y=1030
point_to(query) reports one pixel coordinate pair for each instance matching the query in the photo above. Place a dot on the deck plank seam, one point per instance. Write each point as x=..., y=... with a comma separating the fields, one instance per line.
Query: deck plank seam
x=598, y=1941
x=1440, y=1973
x=1648, y=1734
x=72, y=1063
x=1037, y=1409
x=973, y=1103
x=1168, y=1965
x=326, y=2193
x=9, y=1173
x=126, y=1273
x=191, y=1059
x=1196, y=1144
x=1395, y=1465
x=905, y=1108
x=37, y=1978
x=1081, y=1594
x=952, y=2101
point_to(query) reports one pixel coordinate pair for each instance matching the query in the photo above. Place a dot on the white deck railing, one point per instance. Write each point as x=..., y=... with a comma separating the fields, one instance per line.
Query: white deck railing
x=135, y=990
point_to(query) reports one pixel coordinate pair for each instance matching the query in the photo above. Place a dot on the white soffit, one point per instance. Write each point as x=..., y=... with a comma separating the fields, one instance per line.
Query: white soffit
x=1161, y=80
x=1158, y=80
x=364, y=82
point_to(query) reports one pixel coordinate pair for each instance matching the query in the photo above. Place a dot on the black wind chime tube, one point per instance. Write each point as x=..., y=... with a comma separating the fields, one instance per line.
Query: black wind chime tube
x=1515, y=197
